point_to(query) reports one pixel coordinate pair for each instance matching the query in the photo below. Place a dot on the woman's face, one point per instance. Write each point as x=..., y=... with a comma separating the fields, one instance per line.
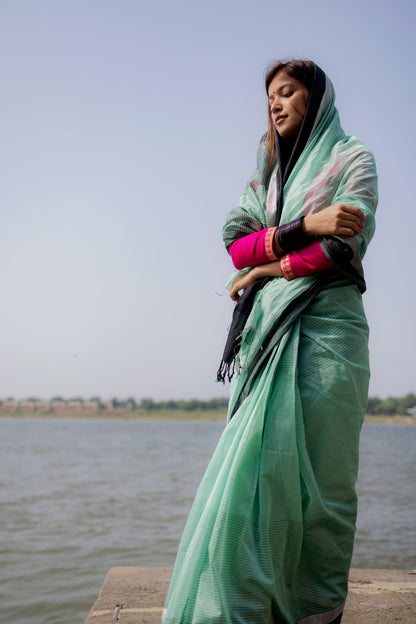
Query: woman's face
x=288, y=101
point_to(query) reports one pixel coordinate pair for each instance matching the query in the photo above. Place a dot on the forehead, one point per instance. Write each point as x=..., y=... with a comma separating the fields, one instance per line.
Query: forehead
x=282, y=80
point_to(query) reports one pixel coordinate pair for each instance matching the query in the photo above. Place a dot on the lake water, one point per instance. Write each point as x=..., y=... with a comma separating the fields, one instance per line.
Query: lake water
x=78, y=497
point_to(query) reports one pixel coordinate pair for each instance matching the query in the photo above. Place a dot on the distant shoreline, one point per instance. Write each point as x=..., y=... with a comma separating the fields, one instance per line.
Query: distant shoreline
x=120, y=414
x=194, y=415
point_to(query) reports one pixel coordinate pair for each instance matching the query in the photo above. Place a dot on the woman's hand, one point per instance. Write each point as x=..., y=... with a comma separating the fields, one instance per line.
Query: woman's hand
x=339, y=220
x=242, y=282
x=271, y=269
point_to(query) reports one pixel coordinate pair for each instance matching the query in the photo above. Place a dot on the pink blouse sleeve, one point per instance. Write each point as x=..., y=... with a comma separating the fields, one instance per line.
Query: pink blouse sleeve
x=253, y=249
x=306, y=261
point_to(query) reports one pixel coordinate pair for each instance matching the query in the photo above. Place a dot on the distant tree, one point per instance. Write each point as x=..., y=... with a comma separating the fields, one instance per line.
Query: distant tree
x=373, y=405
x=148, y=404
x=406, y=403
x=389, y=406
x=191, y=405
x=78, y=399
x=219, y=403
x=97, y=399
x=131, y=403
x=115, y=402
x=57, y=398
x=170, y=404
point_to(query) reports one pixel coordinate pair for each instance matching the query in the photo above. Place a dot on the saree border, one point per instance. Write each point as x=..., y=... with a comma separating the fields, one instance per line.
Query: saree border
x=323, y=618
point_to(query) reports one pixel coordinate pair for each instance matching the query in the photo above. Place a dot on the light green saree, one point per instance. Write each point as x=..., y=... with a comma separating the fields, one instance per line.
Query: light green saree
x=270, y=535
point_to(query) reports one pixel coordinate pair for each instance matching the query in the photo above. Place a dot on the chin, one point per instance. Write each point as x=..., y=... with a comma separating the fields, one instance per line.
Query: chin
x=287, y=135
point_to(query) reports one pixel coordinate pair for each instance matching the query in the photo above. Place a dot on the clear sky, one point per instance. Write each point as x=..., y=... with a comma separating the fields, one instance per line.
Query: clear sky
x=128, y=131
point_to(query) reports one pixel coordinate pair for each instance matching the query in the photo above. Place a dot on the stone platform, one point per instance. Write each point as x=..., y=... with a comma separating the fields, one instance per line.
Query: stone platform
x=137, y=595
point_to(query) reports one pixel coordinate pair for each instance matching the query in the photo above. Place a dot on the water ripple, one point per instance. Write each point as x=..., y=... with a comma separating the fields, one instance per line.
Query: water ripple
x=80, y=496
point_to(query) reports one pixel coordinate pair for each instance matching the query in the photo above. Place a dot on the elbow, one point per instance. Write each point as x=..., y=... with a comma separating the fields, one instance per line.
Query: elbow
x=236, y=256
x=238, y=263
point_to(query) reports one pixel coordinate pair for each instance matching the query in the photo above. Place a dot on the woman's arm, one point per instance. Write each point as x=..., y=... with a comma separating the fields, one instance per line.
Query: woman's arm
x=337, y=220
x=244, y=281
x=254, y=249
x=306, y=261
x=269, y=244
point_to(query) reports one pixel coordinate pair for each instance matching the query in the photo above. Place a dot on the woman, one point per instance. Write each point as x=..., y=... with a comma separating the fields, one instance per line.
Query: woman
x=269, y=538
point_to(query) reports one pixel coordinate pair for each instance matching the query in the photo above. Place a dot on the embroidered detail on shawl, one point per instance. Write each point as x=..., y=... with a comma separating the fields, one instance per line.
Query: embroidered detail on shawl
x=286, y=268
x=268, y=243
x=255, y=184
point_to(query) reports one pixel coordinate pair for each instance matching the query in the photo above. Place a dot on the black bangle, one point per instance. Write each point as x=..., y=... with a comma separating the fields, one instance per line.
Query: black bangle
x=291, y=235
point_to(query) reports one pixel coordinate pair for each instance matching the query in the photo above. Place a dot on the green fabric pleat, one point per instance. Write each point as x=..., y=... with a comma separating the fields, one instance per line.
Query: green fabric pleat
x=269, y=538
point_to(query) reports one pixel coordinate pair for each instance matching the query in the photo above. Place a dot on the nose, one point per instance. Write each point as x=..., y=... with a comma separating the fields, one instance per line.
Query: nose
x=275, y=104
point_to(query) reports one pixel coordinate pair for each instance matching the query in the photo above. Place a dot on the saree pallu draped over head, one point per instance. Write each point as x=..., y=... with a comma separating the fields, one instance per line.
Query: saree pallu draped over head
x=270, y=534
x=325, y=167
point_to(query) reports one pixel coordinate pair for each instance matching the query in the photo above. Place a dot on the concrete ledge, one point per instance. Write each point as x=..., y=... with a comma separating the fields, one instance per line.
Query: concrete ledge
x=137, y=595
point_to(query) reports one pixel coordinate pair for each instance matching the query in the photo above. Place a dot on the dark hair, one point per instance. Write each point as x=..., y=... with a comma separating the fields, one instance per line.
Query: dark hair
x=304, y=71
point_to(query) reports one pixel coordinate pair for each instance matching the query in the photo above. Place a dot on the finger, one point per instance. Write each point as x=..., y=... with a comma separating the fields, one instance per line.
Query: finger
x=353, y=210
x=348, y=220
x=352, y=225
x=346, y=231
x=352, y=216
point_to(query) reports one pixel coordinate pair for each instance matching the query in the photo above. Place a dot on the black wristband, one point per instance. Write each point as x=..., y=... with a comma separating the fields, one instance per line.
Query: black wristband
x=291, y=235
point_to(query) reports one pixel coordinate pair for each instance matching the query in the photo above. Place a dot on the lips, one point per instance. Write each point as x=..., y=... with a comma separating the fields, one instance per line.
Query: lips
x=279, y=119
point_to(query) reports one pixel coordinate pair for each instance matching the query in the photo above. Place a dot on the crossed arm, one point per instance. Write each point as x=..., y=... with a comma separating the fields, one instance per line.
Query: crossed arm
x=337, y=220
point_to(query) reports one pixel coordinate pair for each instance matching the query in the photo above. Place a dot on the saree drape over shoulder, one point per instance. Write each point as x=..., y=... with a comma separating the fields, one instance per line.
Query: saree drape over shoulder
x=270, y=535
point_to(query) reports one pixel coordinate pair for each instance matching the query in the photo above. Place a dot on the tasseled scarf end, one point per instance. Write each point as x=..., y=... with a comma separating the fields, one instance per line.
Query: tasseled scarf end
x=225, y=371
x=240, y=315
